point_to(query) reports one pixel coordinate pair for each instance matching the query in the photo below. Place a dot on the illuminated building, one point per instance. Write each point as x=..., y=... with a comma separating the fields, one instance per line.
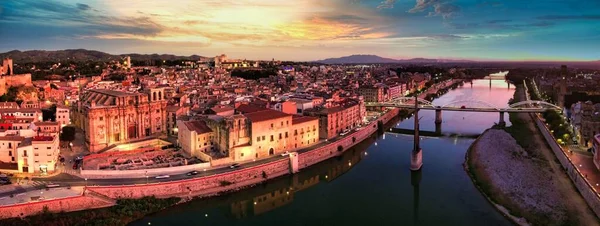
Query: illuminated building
x=111, y=117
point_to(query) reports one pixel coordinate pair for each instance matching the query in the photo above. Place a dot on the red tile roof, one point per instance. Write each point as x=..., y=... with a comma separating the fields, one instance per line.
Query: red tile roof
x=198, y=126
x=247, y=108
x=265, y=115
x=297, y=119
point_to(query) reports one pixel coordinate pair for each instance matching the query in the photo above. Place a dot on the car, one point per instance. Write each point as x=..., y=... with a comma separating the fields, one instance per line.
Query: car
x=285, y=153
x=75, y=166
x=52, y=185
x=162, y=176
x=192, y=173
x=463, y=107
x=235, y=165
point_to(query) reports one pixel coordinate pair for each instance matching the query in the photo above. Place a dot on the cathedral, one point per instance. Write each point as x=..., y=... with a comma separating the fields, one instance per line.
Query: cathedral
x=110, y=117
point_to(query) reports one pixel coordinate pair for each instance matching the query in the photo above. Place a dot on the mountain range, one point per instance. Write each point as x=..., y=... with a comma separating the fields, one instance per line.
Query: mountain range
x=374, y=59
x=85, y=55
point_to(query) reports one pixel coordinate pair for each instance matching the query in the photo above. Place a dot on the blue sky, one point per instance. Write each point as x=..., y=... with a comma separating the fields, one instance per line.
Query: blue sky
x=310, y=29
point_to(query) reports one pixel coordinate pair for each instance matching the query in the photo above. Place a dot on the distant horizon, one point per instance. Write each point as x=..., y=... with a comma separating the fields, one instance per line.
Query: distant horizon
x=308, y=30
x=314, y=60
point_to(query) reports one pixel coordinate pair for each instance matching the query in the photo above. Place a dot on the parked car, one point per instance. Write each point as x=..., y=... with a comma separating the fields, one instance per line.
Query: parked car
x=192, y=173
x=285, y=154
x=75, y=165
x=162, y=176
x=235, y=165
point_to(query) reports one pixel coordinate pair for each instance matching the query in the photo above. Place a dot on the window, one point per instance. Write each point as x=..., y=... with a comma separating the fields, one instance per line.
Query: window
x=272, y=138
x=282, y=123
x=280, y=136
x=263, y=137
x=286, y=135
x=271, y=125
x=101, y=118
x=242, y=154
x=9, y=153
x=36, y=154
x=48, y=148
x=257, y=139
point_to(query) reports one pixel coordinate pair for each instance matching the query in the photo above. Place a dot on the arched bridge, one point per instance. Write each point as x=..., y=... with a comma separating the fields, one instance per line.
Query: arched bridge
x=466, y=105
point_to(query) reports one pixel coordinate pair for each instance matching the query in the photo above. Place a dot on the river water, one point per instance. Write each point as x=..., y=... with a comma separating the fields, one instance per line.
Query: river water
x=371, y=184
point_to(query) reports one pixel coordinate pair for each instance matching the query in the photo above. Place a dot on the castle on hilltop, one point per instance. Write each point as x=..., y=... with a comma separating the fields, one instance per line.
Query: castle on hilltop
x=8, y=78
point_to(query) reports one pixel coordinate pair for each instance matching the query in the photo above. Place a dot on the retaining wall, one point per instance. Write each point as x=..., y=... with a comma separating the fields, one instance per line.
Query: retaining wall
x=585, y=189
x=67, y=204
x=197, y=185
x=143, y=172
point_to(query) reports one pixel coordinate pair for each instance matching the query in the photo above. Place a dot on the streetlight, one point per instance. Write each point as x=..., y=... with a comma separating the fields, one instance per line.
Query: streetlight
x=85, y=181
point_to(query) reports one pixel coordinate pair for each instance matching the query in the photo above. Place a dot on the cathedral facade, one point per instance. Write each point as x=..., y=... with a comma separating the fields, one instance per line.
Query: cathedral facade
x=110, y=117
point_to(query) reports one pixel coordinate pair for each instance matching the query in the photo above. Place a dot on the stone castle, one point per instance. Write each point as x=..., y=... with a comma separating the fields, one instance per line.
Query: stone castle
x=8, y=78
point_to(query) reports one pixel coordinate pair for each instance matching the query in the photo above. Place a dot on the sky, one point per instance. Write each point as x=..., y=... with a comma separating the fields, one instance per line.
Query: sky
x=303, y=30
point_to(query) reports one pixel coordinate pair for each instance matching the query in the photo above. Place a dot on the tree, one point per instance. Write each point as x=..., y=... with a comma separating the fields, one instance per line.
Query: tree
x=68, y=133
x=49, y=114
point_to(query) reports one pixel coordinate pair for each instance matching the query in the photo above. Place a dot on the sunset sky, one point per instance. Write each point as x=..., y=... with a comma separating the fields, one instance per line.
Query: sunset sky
x=310, y=29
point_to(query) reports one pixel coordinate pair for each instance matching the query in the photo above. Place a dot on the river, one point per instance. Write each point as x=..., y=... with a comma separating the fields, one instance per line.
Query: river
x=371, y=184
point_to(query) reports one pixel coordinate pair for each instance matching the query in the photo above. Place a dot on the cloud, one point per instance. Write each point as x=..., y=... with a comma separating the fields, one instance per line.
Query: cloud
x=386, y=4
x=445, y=10
x=569, y=17
x=82, y=6
x=440, y=8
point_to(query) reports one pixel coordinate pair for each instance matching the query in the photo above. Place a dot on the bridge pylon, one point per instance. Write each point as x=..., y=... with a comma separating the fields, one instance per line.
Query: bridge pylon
x=416, y=156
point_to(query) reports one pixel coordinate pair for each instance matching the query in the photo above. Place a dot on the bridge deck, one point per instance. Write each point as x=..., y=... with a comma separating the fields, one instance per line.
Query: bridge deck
x=410, y=106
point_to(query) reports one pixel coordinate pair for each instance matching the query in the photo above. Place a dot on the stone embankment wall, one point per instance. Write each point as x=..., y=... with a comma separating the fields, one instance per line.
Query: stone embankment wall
x=336, y=148
x=587, y=190
x=99, y=174
x=67, y=204
x=199, y=186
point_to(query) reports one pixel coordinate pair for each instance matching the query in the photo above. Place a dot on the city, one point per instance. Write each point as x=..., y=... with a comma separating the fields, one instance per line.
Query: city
x=126, y=121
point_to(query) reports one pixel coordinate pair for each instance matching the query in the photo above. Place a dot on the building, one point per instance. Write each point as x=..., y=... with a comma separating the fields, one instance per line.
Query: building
x=195, y=137
x=172, y=113
x=273, y=132
x=302, y=105
x=335, y=120
x=394, y=90
x=596, y=149
x=37, y=154
x=586, y=121
x=63, y=115
x=288, y=107
x=111, y=117
x=7, y=67
x=372, y=93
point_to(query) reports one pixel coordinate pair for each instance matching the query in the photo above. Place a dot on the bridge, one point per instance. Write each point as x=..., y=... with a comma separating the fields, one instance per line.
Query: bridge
x=468, y=105
x=416, y=161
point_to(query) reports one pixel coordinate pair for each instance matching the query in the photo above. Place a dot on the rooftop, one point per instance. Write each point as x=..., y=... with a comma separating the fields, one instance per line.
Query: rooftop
x=115, y=93
x=297, y=119
x=198, y=126
x=265, y=115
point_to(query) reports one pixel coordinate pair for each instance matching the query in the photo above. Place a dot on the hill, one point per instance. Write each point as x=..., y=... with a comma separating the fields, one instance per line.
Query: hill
x=374, y=59
x=84, y=55
x=358, y=59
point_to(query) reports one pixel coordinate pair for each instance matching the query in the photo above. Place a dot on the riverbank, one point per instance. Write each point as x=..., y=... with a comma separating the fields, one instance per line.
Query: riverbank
x=515, y=169
x=124, y=212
